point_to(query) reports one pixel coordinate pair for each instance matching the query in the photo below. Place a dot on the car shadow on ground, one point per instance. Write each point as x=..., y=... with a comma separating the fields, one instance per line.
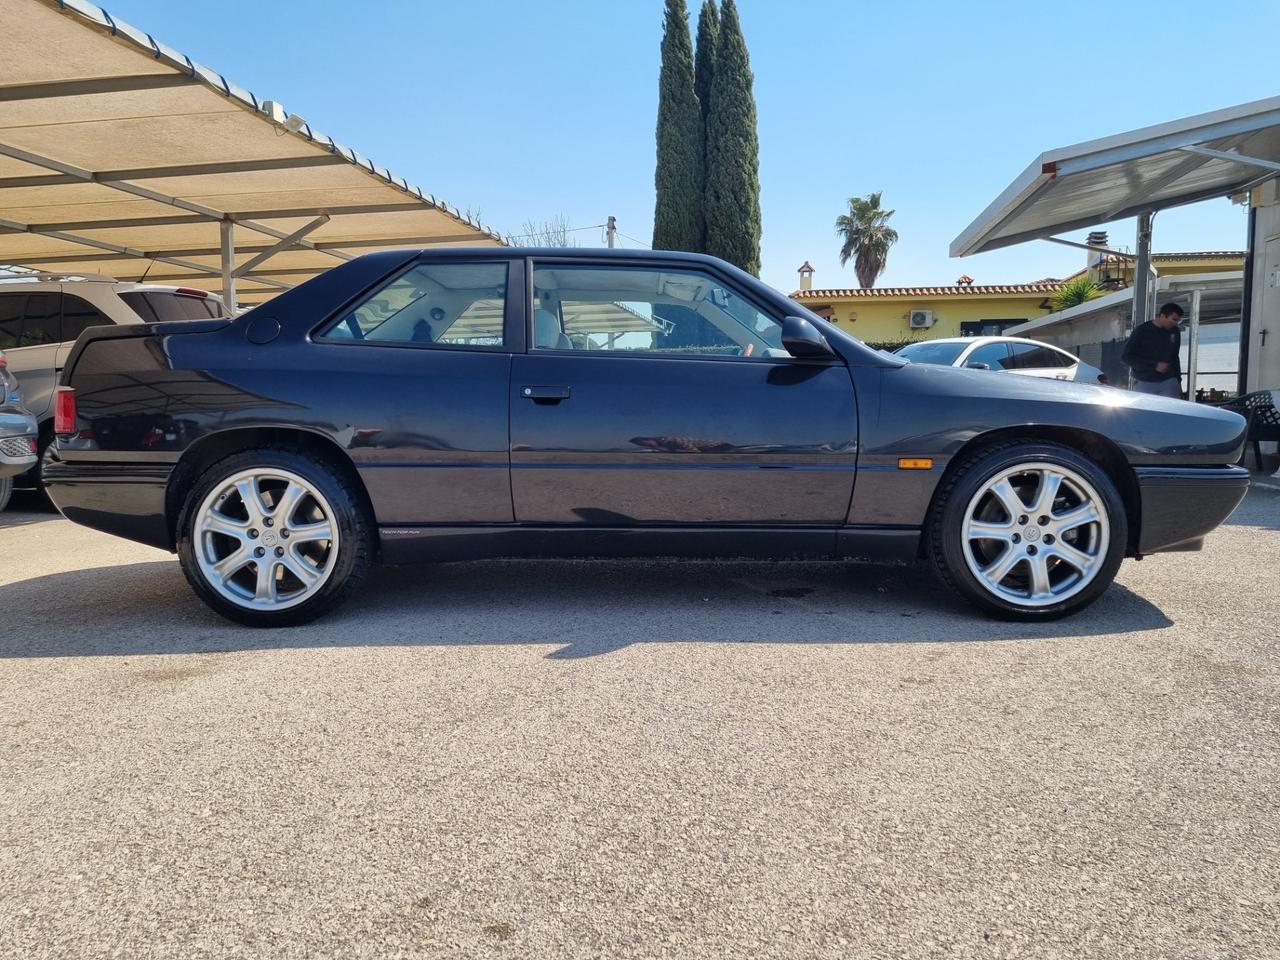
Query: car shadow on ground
x=578, y=609
x=27, y=508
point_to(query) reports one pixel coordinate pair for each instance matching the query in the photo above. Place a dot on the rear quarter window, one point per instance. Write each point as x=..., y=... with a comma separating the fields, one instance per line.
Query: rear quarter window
x=155, y=306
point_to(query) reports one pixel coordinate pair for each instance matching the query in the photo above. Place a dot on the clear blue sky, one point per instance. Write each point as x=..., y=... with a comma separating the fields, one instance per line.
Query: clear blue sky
x=532, y=110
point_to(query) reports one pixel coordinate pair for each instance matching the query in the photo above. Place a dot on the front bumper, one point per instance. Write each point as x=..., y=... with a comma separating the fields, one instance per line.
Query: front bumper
x=1180, y=505
x=17, y=443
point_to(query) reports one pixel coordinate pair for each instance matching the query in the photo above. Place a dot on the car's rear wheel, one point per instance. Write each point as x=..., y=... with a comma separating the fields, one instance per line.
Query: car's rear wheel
x=6, y=491
x=273, y=537
x=1029, y=531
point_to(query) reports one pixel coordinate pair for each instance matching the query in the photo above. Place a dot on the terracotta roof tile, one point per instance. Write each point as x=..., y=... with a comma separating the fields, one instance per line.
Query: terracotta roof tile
x=925, y=292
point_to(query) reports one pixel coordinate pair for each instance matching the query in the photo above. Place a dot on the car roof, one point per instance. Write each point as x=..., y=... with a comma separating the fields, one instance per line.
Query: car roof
x=988, y=339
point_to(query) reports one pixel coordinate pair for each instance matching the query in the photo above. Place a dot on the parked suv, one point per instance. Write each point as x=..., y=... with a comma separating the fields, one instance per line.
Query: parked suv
x=17, y=433
x=42, y=314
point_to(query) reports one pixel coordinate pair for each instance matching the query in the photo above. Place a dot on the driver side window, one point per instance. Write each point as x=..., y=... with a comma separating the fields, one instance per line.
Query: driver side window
x=647, y=311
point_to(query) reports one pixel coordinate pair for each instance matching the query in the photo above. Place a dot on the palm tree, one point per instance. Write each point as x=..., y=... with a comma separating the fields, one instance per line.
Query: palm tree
x=1073, y=292
x=867, y=237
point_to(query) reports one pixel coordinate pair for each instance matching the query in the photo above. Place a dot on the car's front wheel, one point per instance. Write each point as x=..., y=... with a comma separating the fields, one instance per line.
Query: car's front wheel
x=273, y=537
x=1029, y=531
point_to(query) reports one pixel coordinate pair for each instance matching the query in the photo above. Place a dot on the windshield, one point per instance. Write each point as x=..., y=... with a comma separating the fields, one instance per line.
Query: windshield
x=941, y=353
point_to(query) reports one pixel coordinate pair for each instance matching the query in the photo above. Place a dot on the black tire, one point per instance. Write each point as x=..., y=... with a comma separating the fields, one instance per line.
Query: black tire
x=46, y=453
x=6, y=491
x=356, y=535
x=946, y=542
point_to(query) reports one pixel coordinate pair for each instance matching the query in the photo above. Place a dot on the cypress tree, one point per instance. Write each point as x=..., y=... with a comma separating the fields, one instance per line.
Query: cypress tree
x=678, y=177
x=733, y=148
x=704, y=68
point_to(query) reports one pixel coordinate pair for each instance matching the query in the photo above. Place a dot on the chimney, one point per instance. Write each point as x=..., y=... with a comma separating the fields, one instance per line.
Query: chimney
x=1095, y=260
x=806, y=276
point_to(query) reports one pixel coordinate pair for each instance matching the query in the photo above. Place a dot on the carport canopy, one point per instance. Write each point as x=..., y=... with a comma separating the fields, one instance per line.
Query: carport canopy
x=121, y=156
x=1131, y=174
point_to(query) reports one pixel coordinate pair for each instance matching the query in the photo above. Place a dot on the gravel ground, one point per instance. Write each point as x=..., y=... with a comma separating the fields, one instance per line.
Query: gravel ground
x=638, y=760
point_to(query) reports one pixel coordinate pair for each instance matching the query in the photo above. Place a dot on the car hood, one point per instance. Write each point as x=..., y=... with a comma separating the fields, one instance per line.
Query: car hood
x=1148, y=429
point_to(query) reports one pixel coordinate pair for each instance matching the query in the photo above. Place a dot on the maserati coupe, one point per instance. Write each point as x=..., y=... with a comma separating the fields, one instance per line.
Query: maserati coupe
x=461, y=404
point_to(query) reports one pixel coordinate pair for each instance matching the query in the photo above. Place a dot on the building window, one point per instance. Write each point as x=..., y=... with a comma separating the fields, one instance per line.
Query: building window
x=988, y=328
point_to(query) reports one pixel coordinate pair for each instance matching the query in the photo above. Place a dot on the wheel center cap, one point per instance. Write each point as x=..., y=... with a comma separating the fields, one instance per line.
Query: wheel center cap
x=1031, y=533
x=268, y=539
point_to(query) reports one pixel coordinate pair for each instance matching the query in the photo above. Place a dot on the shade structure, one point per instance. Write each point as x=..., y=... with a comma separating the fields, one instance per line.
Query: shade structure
x=121, y=156
x=1197, y=158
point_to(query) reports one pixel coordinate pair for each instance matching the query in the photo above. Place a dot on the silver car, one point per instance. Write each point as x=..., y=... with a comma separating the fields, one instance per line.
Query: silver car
x=17, y=433
x=1009, y=354
x=42, y=314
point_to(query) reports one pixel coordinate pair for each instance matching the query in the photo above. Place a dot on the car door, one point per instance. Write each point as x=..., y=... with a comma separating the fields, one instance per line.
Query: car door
x=30, y=331
x=661, y=395
x=414, y=376
x=1040, y=360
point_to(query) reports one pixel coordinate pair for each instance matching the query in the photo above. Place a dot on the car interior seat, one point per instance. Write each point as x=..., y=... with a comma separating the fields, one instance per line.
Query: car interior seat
x=547, y=334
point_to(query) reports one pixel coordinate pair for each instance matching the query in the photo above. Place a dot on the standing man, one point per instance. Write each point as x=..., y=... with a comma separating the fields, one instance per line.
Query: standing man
x=1152, y=354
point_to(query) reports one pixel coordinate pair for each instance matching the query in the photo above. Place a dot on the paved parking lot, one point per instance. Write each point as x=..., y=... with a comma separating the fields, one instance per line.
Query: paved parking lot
x=638, y=760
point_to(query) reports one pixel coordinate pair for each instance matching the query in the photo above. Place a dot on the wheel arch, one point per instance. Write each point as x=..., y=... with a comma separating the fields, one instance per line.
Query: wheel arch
x=221, y=444
x=1096, y=446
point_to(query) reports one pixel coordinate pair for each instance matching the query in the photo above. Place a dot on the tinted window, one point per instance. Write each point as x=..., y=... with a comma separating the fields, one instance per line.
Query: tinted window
x=940, y=353
x=454, y=304
x=162, y=305
x=11, y=306
x=78, y=315
x=994, y=355
x=1036, y=356
x=43, y=320
x=637, y=310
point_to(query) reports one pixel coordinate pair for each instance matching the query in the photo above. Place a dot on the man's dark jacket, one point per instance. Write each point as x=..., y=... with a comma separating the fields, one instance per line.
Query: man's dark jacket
x=1149, y=345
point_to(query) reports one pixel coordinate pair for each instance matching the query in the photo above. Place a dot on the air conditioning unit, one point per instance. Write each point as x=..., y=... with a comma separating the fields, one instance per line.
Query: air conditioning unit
x=921, y=319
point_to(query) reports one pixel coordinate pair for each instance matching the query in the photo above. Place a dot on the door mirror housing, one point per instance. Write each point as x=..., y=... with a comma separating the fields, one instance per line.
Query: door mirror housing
x=803, y=341
x=978, y=365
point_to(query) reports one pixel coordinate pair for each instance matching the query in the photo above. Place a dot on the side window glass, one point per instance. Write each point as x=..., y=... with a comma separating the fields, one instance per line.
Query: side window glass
x=1033, y=356
x=43, y=321
x=450, y=304
x=78, y=315
x=643, y=310
x=994, y=355
x=11, y=309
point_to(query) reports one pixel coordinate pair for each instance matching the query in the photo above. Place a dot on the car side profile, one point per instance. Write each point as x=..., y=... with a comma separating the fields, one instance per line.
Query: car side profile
x=1006, y=354
x=497, y=402
x=41, y=315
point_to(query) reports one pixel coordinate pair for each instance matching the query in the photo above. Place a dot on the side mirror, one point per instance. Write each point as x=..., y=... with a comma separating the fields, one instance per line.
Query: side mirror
x=978, y=365
x=803, y=341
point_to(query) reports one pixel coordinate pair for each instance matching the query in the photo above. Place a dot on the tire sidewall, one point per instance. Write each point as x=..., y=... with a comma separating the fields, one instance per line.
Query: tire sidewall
x=982, y=470
x=352, y=536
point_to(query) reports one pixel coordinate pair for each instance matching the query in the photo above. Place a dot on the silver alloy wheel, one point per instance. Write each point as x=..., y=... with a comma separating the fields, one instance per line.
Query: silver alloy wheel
x=265, y=539
x=1036, y=534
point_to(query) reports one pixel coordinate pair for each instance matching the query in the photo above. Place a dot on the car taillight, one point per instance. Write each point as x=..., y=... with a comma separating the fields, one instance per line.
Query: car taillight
x=64, y=411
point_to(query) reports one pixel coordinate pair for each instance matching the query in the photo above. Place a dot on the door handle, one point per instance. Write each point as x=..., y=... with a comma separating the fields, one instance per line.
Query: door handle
x=545, y=394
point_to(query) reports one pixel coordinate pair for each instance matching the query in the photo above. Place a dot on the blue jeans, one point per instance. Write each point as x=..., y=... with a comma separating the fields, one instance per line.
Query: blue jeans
x=1159, y=388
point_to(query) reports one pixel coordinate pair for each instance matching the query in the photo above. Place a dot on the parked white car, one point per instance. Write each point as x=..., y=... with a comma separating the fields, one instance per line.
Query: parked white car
x=1009, y=354
x=42, y=314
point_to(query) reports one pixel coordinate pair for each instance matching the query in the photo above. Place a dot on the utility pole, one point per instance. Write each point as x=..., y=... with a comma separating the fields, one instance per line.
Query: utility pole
x=611, y=231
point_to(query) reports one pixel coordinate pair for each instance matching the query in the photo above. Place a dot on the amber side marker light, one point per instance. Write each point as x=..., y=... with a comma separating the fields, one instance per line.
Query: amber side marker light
x=915, y=463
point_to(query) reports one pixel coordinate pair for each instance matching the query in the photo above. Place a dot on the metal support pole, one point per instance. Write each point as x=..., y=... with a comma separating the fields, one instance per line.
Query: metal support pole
x=1142, y=273
x=611, y=231
x=225, y=228
x=1193, y=344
